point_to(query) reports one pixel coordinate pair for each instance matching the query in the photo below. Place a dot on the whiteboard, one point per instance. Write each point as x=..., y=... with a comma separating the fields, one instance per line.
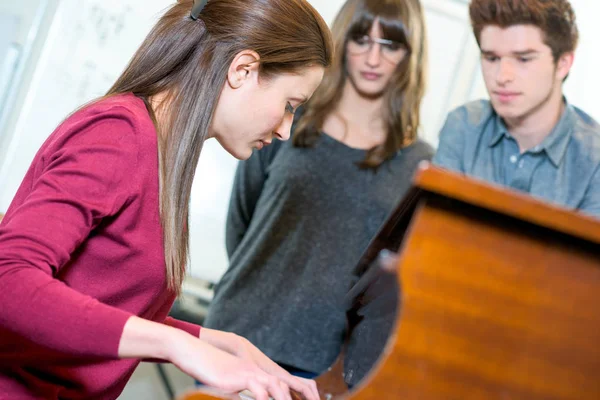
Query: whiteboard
x=87, y=47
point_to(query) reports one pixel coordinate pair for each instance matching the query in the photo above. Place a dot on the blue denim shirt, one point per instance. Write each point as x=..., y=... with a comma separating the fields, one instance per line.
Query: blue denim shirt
x=564, y=169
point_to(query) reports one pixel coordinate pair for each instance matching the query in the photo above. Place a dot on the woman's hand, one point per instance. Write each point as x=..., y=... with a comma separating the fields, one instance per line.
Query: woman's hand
x=245, y=350
x=208, y=363
x=219, y=369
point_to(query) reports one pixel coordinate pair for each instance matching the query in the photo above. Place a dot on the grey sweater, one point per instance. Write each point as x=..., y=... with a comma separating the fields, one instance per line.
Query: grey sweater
x=298, y=222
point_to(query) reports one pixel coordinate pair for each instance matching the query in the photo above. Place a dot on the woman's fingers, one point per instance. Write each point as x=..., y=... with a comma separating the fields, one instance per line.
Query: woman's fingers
x=265, y=385
x=246, y=350
x=307, y=387
x=286, y=389
x=231, y=374
x=276, y=389
x=312, y=389
x=258, y=391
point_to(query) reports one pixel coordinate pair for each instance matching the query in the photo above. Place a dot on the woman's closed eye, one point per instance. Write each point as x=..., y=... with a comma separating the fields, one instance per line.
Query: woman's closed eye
x=289, y=108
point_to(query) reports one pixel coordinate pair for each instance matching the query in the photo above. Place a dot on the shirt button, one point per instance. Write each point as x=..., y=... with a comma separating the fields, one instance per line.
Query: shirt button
x=513, y=159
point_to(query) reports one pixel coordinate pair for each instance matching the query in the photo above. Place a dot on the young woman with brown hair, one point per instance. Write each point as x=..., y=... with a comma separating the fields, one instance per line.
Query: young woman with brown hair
x=94, y=246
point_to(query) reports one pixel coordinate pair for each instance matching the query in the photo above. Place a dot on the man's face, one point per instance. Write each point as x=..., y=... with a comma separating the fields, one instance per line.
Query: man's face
x=519, y=70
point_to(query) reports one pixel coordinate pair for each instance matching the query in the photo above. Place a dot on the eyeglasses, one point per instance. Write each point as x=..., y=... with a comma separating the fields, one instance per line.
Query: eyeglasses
x=391, y=50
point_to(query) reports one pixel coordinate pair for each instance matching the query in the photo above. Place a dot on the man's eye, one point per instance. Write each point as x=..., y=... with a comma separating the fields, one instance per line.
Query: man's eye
x=490, y=58
x=289, y=108
x=524, y=59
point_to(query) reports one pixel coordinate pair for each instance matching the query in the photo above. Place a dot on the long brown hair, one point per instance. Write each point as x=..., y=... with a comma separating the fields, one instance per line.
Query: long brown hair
x=402, y=21
x=187, y=61
x=555, y=18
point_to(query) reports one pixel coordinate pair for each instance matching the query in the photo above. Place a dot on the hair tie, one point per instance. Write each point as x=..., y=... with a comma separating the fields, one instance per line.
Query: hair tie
x=197, y=9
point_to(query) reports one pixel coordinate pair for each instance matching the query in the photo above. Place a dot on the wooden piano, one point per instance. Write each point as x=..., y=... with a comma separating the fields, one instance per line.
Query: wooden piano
x=499, y=297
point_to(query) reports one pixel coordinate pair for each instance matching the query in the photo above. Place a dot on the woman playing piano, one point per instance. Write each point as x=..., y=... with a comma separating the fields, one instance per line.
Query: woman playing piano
x=94, y=245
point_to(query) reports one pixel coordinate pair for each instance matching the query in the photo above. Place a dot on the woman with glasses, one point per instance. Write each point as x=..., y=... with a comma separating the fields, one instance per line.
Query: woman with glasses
x=302, y=212
x=94, y=246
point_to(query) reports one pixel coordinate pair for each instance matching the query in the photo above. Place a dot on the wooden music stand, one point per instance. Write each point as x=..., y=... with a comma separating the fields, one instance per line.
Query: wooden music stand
x=499, y=297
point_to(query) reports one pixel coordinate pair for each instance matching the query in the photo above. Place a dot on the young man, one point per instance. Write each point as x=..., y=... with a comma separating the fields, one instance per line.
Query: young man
x=527, y=136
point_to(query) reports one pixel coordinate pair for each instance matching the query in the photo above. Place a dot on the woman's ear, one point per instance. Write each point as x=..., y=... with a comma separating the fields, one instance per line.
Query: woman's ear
x=244, y=68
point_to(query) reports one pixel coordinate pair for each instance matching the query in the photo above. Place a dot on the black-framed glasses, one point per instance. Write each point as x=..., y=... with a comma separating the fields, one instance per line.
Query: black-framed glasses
x=391, y=50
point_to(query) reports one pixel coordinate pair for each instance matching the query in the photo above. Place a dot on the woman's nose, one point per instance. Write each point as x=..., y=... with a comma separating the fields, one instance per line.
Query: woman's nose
x=374, y=55
x=284, y=129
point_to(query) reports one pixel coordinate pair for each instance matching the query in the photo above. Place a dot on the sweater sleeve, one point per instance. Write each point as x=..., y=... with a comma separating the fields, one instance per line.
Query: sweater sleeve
x=248, y=184
x=75, y=184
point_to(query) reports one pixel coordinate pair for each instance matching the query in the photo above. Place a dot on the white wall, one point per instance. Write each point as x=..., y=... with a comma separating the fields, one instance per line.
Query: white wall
x=583, y=84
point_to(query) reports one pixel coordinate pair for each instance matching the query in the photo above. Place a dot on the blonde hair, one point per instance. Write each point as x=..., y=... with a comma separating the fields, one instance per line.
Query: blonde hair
x=402, y=21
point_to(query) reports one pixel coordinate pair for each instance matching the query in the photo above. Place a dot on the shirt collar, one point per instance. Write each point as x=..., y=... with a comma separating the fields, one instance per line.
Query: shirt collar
x=500, y=131
x=555, y=144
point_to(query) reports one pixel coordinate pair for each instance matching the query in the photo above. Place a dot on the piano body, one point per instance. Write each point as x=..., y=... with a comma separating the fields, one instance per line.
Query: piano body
x=499, y=296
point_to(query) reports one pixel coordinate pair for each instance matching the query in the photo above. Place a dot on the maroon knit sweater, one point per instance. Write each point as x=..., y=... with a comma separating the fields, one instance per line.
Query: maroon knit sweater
x=80, y=252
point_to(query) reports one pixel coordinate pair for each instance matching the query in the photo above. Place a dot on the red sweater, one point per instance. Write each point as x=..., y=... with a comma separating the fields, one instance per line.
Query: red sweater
x=80, y=252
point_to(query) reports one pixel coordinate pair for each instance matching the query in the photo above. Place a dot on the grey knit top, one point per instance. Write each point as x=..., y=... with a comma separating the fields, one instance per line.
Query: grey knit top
x=298, y=222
